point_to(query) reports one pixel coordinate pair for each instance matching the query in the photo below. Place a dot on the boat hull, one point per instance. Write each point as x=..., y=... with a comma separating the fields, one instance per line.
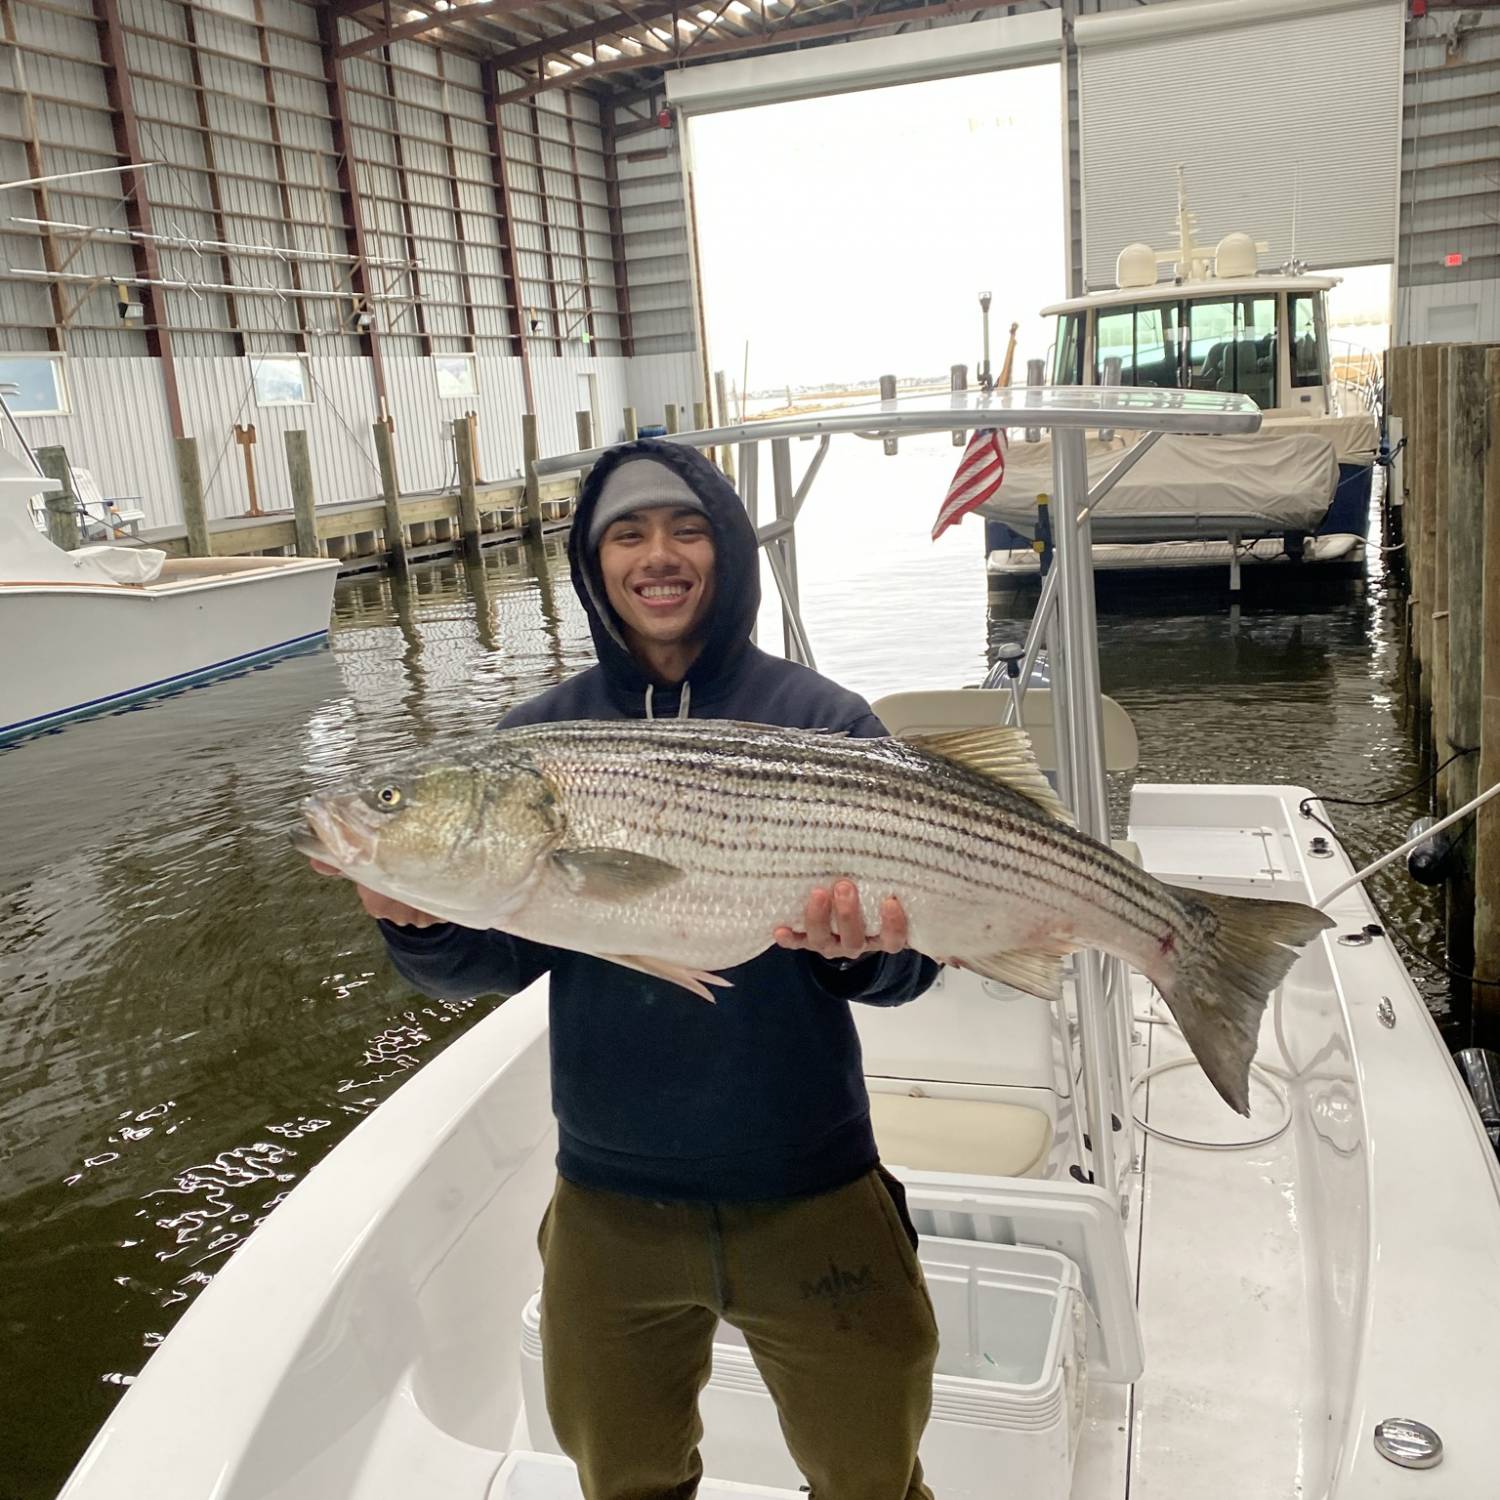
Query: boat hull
x=94, y=648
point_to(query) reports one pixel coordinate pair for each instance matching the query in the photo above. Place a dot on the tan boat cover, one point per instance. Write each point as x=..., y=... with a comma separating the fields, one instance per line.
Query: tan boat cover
x=1286, y=483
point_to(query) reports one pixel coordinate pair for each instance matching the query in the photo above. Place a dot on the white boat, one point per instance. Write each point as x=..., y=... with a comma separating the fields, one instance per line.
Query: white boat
x=1121, y=1314
x=1295, y=493
x=96, y=628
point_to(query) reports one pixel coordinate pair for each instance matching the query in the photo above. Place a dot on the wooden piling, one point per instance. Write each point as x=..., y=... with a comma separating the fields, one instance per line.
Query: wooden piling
x=304, y=505
x=1487, y=829
x=62, y=506
x=190, y=486
x=1465, y=512
x=1419, y=533
x=385, y=451
x=1440, y=591
x=670, y=418
x=585, y=421
x=888, y=393
x=531, y=524
x=632, y=428
x=725, y=419
x=468, y=501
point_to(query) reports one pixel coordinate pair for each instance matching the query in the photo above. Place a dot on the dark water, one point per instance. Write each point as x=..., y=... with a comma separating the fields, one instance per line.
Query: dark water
x=189, y=1019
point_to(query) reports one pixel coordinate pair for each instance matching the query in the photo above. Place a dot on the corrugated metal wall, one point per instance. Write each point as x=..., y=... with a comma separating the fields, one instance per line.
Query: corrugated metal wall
x=1450, y=179
x=653, y=213
x=233, y=101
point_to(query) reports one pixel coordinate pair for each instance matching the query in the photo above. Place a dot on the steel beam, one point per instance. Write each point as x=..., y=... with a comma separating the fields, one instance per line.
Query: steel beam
x=542, y=199
x=455, y=198
x=354, y=222
x=473, y=12
x=210, y=160
x=278, y=154
x=583, y=231
x=616, y=230
x=137, y=203
x=403, y=191
x=584, y=36
x=501, y=173
x=776, y=34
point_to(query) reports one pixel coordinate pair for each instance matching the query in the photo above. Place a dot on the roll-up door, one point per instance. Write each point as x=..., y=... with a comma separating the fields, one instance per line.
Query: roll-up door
x=1285, y=115
x=875, y=62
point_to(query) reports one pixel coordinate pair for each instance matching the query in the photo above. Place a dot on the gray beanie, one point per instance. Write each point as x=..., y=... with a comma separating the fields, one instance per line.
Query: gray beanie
x=639, y=484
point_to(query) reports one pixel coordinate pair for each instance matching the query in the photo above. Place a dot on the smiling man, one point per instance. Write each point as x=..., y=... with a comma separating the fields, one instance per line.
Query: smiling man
x=714, y=1161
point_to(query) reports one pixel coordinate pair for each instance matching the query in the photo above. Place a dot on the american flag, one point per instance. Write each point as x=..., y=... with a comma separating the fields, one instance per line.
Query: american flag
x=979, y=474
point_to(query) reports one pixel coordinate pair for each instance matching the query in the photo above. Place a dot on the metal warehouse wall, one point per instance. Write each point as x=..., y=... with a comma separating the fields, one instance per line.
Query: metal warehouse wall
x=1450, y=179
x=295, y=193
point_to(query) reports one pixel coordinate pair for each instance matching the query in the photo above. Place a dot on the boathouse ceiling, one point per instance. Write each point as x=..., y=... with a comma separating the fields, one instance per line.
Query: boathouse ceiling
x=622, y=50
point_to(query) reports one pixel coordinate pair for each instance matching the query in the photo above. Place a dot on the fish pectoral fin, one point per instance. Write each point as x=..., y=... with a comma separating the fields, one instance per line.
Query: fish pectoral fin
x=1001, y=753
x=613, y=874
x=695, y=980
x=1035, y=971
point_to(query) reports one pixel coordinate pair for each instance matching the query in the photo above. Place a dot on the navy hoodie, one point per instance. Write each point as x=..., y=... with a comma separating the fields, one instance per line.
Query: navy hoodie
x=656, y=1093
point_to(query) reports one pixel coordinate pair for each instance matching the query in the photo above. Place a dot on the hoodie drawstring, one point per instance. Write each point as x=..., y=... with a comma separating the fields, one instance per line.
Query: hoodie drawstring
x=683, y=701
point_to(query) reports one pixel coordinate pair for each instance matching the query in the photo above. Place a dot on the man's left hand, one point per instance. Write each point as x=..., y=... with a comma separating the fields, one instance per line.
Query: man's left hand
x=840, y=908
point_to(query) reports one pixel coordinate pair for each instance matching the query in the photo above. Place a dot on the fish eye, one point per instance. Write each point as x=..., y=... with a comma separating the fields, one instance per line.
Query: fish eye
x=389, y=797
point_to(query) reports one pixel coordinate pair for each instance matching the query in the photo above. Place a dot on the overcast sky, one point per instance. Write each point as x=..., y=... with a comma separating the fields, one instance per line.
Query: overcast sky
x=851, y=236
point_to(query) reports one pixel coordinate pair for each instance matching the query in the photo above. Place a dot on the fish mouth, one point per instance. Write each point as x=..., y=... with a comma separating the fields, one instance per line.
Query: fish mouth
x=337, y=831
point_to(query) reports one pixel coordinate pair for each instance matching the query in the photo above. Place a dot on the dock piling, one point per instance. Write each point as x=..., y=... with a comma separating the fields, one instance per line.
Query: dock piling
x=304, y=504
x=632, y=428
x=62, y=506
x=670, y=417
x=1487, y=827
x=190, y=485
x=385, y=450
x=531, y=523
x=468, y=500
x=888, y=393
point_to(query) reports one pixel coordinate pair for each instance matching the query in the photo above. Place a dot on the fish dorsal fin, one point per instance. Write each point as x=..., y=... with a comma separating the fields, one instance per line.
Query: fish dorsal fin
x=1003, y=754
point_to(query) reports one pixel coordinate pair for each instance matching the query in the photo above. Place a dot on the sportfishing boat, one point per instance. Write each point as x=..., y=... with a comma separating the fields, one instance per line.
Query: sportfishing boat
x=106, y=625
x=1138, y=1293
x=1295, y=493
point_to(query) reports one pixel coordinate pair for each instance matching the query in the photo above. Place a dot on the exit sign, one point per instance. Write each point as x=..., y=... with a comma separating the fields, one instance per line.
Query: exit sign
x=1453, y=260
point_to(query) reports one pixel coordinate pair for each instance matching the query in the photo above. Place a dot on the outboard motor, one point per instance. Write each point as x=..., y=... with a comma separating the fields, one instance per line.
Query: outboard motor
x=1481, y=1073
x=1428, y=863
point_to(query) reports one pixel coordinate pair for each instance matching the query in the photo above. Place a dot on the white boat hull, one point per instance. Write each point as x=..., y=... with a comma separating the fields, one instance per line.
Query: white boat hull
x=1319, y=552
x=364, y=1343
x=92, y=647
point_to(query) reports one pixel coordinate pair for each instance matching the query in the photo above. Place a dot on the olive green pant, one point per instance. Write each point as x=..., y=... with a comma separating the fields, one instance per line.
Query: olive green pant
x=827, y=1291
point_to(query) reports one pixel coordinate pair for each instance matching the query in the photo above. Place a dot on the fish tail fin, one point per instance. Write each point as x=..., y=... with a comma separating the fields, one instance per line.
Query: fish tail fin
x=1238, y=951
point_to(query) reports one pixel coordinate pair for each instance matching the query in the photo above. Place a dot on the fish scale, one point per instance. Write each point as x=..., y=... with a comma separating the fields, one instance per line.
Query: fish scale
x=679, y=847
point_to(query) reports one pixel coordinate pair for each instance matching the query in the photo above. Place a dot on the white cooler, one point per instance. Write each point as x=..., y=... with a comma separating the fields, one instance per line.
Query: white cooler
x=1008, y=1396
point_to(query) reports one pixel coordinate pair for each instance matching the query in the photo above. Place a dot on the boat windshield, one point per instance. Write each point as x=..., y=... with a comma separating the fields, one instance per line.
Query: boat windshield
x=1208, y=344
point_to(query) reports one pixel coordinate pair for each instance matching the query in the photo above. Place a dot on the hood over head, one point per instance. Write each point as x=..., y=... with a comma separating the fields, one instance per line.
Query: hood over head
x=736, y=601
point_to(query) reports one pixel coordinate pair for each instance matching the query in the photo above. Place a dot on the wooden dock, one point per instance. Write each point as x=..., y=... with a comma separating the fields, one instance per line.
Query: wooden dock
x=1443, y=400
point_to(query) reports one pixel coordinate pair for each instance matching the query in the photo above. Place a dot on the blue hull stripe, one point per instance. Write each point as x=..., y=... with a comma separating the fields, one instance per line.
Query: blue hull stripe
x=95, y=705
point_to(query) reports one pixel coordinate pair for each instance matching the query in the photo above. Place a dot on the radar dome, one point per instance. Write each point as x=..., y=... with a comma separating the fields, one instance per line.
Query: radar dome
x=1136, y=266
x=1235, y=257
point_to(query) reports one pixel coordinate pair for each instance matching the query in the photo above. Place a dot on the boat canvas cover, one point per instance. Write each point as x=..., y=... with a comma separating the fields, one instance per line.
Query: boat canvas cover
x=26, y=556
x=1185, y=486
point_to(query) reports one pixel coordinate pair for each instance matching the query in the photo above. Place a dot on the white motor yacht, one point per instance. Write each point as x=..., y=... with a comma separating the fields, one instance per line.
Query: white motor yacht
x=99, y=627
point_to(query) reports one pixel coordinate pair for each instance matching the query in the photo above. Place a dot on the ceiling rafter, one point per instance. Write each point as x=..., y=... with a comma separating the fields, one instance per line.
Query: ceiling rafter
x=778, y=32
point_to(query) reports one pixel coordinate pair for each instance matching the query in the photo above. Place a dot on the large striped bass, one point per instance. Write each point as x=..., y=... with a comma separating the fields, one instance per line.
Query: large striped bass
x=679, y=847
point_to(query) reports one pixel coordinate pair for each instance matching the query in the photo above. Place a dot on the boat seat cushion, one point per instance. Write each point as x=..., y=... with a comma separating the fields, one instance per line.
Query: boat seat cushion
x=982, y=1137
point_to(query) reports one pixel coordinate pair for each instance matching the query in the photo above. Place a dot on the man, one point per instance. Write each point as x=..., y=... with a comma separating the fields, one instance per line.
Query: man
x=714, y=1160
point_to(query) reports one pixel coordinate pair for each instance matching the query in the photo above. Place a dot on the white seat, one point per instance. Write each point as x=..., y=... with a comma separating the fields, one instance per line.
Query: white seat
x=939, y=710
x=980, y=1137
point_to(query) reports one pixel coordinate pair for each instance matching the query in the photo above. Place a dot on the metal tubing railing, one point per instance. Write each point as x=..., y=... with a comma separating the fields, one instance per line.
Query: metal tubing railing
x=1071, y=703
